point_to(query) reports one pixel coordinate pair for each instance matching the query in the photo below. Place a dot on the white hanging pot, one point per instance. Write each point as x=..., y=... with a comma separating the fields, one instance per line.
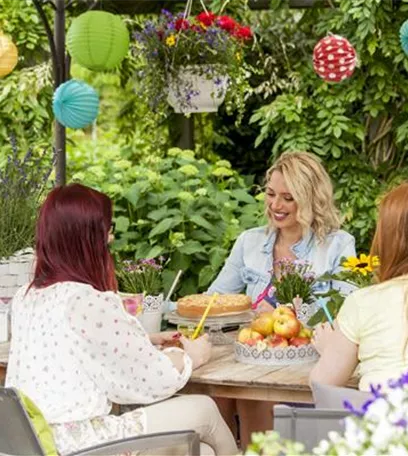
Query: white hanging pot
x=197, y=88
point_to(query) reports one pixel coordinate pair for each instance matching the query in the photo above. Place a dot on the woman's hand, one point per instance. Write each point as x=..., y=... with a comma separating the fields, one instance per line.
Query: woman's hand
x=264, y=306
x=321, y=335
x=162, y=337
x=199, y=350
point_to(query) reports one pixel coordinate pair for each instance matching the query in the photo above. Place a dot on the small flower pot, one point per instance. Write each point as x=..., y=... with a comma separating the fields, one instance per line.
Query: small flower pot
x=152, y=313
x=148, y=309
x=197, y=88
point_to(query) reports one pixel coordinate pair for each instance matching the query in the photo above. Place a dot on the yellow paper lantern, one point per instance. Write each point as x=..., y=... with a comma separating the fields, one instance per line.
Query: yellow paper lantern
x=8, y=55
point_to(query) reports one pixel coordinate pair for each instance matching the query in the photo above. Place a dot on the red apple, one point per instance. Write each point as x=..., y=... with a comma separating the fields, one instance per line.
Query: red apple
x=276, y=341
x=283, y=310
x=298, y=341
x=263, y=323
x=251, y=342
x=287, y=326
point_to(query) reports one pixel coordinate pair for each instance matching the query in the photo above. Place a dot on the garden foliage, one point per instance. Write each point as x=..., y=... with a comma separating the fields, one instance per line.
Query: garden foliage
x=186, y=209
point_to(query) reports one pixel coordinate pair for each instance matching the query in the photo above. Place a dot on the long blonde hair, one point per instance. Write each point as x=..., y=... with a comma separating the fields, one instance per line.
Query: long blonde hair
x=312, y=190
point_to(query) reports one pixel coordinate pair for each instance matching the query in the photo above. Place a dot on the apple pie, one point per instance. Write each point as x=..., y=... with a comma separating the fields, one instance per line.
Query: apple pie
x=193, y=306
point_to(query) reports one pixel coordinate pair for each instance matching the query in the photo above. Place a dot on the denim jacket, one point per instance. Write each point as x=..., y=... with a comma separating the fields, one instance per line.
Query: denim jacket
x=250, y=261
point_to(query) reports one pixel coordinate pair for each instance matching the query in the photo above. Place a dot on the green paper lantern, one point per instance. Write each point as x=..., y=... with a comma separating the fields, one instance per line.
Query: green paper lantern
x=98, y=40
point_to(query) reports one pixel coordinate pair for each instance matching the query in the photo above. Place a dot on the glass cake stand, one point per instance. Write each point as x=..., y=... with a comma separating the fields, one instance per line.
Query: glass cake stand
x=214, y=324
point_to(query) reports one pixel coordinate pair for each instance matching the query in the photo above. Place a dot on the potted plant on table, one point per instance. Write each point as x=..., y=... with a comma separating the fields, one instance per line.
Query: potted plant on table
x=193, y=62
x=358, y=272
x=292, y=284
x=140, y=284
x=23, y=180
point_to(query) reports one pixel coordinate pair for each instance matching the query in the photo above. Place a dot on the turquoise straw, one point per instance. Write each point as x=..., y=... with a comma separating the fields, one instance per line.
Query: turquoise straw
x=322, y=303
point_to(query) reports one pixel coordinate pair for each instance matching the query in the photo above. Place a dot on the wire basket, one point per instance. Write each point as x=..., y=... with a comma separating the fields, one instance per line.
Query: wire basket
x=281, y=356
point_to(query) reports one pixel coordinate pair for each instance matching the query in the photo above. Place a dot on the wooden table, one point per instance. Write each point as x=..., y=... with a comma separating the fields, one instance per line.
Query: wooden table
x=225, y=377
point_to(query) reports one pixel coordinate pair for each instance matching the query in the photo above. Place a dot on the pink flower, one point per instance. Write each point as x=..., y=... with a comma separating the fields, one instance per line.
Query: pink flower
x=227, y=23
x=206, y=18
x=244, y=33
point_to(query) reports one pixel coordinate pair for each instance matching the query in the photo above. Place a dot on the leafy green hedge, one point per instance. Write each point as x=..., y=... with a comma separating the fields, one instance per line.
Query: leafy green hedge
x=187, y=209
x=190, y=211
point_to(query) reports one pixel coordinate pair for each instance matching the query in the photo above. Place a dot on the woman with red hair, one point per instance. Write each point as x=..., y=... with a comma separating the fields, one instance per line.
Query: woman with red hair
x=75, y=350
x=371, y=327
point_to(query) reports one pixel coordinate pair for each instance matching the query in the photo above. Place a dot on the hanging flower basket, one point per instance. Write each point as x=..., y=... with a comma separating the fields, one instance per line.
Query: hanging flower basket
x=193, y=62
x=197, y=88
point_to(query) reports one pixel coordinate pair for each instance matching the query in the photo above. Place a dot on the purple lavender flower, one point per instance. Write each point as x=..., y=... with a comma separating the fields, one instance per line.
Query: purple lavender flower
x=349, y=406
x=169, y=16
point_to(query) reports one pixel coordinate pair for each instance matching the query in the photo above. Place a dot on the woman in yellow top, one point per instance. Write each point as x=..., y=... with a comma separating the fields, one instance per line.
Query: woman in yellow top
x=372, y=325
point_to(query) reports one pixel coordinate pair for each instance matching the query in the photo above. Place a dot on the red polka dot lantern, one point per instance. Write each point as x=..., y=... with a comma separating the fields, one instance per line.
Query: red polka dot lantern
x=334, y=58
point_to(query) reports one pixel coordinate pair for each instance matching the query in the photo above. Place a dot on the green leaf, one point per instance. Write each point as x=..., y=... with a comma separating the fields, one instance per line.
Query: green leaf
x=121, y=224
x=133, y=195
x=158, y=214
x=156, y=251
x=142, y=250
x=165, y=225
x=190, y=247
x=201, y=221
x=242, y=195
x=205, y=276
x=217, y=257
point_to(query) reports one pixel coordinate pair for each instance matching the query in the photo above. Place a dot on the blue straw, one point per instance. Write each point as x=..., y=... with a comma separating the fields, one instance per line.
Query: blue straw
x=322, y=303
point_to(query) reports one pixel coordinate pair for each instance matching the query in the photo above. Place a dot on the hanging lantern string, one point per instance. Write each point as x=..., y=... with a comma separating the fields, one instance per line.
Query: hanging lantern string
x=224, y=5
x=187, y=11
x=186, y=14
x=204, y=8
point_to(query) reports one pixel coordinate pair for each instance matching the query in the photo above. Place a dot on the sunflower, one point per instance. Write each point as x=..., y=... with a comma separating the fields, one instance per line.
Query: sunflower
x=364, y=264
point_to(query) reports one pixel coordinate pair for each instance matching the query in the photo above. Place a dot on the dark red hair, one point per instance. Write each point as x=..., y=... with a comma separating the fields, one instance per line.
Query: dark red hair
x=72, y=239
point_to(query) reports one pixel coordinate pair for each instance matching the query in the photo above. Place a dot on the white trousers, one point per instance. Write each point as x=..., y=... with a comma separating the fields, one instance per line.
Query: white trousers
x=196, y=412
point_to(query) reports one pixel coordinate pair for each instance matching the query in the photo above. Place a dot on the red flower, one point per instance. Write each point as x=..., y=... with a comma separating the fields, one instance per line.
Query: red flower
x=160, y=34
x=227, y=23
x=206, y=18
x=244, y=33
x=181, y=24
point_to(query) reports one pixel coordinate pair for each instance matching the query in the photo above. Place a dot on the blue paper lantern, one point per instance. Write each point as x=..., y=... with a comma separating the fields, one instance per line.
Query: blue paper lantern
x=75, y=104
x=404, y=36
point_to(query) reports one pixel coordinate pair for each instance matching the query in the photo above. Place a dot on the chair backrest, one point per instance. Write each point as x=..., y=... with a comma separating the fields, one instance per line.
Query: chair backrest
x=159, y=444
x=307, y=425
x=17, y=435
x=333, y=397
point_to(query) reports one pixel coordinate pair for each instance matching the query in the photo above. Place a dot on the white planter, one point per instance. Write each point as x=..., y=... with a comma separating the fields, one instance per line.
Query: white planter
x=152, y=314
x=197, y=88
x=4, y=322
x=16, y=271
x=152, y=310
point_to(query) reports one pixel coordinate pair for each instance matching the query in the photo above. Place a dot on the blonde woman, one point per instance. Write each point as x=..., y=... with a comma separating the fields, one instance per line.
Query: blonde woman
x=303, y=223
x=372, y=325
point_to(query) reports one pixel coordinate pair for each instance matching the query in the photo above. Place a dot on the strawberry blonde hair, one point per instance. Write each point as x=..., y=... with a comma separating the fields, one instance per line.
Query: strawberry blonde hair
x=390, y=241
x=312, y=190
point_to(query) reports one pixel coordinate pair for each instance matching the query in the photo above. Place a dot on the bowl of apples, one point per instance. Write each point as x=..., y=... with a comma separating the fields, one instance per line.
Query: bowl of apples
x=275, y=338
